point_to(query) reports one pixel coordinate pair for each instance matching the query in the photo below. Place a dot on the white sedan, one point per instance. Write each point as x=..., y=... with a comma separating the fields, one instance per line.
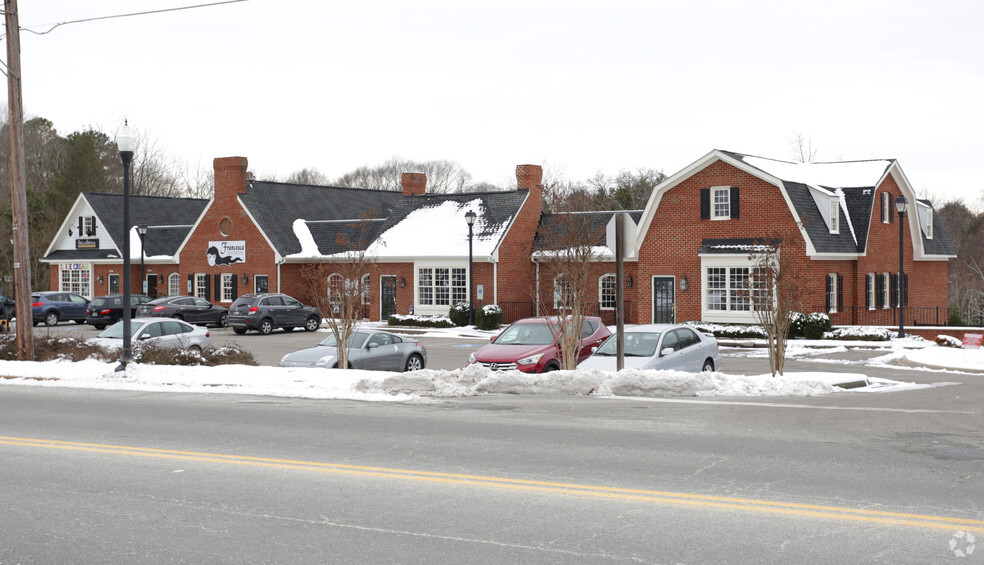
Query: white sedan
x=659, y=346
x=163, y=332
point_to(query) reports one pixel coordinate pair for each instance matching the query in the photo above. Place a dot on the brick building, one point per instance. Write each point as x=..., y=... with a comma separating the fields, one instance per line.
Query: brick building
x=686, y=254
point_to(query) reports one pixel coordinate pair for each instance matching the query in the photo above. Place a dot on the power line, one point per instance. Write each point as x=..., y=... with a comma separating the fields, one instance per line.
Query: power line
x=130, y=15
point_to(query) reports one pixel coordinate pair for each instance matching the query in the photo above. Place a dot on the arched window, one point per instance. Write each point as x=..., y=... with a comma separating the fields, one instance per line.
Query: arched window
x=606, y=291
x=174, y=284
x=336, y=288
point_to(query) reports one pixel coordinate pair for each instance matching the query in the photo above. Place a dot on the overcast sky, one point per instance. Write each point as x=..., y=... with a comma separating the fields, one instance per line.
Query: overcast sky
x=579, y=87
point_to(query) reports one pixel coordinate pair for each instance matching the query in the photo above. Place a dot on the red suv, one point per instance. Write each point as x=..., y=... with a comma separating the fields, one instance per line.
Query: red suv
x=531, y=345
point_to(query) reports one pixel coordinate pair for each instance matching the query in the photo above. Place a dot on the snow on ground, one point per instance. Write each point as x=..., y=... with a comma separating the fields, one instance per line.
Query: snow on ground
x=474, y=380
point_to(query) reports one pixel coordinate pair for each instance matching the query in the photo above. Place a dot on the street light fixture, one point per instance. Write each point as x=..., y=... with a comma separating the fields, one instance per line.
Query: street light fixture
x=126, y=142
x=142, y=232
x=900, y=204
x=470, y=220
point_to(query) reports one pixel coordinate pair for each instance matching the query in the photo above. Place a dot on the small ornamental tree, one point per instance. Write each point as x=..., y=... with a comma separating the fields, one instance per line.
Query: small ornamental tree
x=339, y=286
x=775, y=288
x=566, y=248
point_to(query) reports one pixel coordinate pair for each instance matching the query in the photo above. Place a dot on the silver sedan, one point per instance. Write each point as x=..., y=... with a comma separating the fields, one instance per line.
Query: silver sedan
x=659, y=346
x=163, y=332
x=368, y=349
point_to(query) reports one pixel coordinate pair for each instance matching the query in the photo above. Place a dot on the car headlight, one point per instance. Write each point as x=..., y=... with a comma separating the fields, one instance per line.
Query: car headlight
x=531, y=360
x=471, y=359
x=326, y=360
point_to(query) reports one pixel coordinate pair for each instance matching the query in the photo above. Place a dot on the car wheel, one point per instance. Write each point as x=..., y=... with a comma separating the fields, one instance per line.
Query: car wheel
x=79, y=321
x=414, y=363
x=708, y=366
x=178, y=317
x=99, y=326
x=312, y=324
x=289, y=329
x=51, y=319
x=197, y=350
x=224, y=320
x=265, y=327
x=239, y=331
x=551, y=367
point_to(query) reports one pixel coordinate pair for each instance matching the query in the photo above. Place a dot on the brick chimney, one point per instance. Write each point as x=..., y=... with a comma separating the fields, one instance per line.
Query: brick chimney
x=414, y=184
x=529, y=177
x=230, y=177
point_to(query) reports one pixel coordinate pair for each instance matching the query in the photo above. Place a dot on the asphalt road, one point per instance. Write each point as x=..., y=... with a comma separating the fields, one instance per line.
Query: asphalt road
x=118, y=477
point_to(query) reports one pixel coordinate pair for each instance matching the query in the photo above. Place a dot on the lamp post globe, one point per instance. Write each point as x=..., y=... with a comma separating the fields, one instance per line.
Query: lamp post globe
x=126, y=142
x=470, y=217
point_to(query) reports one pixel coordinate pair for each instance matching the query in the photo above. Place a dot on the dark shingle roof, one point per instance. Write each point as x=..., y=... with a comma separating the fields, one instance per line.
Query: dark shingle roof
x=816, y=227
x=169, y=219
x=940, y=244
x=275, y=206
x=553, y=225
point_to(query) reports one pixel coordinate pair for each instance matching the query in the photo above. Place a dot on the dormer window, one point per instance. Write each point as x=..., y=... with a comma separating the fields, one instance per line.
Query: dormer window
x=87, y=226
x=834, y=215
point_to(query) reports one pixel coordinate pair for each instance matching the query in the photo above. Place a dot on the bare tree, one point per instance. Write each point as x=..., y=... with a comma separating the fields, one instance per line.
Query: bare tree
x=774, y=290
x=802, y=148
x=339, y=287
x=154, y=171
x=308, y=176
x=566, y=251
x=442, y=176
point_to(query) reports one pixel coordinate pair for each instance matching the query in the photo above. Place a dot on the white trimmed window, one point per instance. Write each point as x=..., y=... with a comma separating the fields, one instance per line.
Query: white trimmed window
x=886, y=207
x=77, y=279
x=174, y=284
x=365, y=289
x=606, y=291
x=871, y=290
x=727, y=289
x=721, y=203
x=437, y=285
x=227, y=282
x=563, y=292
x=336, y=286
x=832, y=293
x=835, y=215
x=201, y=286
x=886, y=289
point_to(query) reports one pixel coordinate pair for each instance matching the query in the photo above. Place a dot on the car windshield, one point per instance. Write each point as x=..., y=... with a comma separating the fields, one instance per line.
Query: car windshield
x=637, y=344
x=116, y=330
x=355, y=340
x=526, y=334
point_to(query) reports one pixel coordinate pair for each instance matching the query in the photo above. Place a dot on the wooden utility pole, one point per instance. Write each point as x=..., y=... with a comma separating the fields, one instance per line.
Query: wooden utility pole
x=18, y=188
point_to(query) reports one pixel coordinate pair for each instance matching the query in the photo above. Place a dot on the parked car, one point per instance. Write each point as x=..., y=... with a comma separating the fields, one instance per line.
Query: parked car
x=659, y=346
x=269, y=311
x=531, y=345
x=368, y=349
x=191, y=309
x=161, y=332
x=107, y=310
x=52, y=306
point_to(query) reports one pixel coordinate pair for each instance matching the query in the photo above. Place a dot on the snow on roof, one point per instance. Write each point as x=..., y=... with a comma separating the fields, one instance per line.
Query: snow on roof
x=846, y=174
x=136, y=249
x=440, y=231
x=309, y=249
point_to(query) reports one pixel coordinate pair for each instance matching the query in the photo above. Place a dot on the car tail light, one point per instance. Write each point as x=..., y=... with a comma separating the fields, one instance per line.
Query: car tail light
x=208, y=334
x=159, y=308
x=37, y=304
x=254, y=310
x=106, y=311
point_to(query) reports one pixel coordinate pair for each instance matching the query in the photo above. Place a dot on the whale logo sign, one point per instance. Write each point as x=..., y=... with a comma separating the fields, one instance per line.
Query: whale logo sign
x=226, y=252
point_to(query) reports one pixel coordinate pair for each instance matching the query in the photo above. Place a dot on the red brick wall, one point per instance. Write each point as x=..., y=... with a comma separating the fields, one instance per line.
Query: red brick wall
x=515, y=271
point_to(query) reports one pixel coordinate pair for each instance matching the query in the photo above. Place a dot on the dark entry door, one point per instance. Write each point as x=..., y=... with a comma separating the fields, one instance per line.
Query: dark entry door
x=664, y=306
x=114, y=284
x=387, y=296
x=151, y=286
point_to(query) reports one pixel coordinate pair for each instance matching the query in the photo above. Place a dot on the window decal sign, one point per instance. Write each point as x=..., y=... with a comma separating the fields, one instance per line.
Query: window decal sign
x=226, y=252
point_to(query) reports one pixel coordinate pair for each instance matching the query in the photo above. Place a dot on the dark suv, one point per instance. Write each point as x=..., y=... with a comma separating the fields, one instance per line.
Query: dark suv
x=107, y=310
x=52, y=306
x=267, y=312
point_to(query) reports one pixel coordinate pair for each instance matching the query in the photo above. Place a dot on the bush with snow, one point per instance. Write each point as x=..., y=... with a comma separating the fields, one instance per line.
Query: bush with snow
x=489, y=317
x=859, y=333
x=421, y=321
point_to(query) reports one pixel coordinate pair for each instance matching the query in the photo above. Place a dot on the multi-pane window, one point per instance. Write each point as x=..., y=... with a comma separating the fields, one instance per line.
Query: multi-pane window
x=721, y=202
x=606, y=291
x=834, y=215
x=437, y=285
x=90, y=225
x=365, y=289
x=563, y=292
x=832, y=293
x=227, y=282
x=870, y=288
x=336, y=287
x=174, y=284
x=201, y=285
x=727, y=289
x=886, y=288
x=77, y=281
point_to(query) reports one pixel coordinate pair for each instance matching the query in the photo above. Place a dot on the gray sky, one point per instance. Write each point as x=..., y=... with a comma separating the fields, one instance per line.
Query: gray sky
x=579, y=87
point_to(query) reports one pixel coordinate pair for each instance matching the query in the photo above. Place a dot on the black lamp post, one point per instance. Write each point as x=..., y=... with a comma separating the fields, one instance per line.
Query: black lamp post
x=470, y=220
x=142, y=232
x=126, y=142
x=900, y=204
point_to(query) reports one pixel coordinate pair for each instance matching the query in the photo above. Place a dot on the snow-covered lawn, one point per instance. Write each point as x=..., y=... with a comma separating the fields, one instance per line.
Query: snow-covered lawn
x=471, y=381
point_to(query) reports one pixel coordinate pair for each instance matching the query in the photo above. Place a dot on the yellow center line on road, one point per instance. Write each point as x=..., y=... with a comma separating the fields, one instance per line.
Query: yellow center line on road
x=652, y=496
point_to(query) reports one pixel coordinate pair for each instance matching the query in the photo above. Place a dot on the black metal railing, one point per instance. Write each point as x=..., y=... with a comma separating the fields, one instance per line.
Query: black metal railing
x=914, y=316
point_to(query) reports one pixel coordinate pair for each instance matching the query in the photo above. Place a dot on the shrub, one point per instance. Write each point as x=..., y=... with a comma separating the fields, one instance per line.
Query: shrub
x=459, y=314
x=51, y=347
x=797, y=324
x=948, y=341
x=489, y=317
x=816, y=324
x=736, y=331
x=955, y=319
x=420, y=321
x=859, y=333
